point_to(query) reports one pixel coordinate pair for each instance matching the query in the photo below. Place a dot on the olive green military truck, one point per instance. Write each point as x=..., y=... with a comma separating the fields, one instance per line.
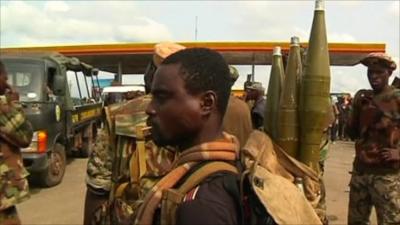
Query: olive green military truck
x=60, y=98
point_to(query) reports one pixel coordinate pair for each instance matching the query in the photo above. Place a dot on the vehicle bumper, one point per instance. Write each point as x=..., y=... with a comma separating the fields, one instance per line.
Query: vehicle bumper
x=35, y=162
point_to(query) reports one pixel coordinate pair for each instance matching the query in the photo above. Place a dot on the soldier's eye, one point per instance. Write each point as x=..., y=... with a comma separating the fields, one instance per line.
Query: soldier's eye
x=161, y=97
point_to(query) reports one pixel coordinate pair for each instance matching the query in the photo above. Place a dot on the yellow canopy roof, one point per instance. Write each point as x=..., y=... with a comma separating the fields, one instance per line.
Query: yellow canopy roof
x=134, y=57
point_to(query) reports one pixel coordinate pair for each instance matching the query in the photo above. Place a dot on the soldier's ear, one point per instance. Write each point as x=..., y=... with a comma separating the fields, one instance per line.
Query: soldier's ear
x=208, y=102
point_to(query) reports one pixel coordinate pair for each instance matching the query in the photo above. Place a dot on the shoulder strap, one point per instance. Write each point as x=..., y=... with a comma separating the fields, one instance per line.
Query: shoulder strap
x=203, y=172
x=173, y=197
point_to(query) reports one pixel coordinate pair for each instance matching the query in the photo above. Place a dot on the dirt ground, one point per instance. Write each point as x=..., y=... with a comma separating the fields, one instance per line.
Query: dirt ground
x=63, y=204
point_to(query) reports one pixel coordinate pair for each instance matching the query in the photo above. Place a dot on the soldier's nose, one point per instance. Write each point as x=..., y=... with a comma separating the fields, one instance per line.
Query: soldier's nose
x=150, y=110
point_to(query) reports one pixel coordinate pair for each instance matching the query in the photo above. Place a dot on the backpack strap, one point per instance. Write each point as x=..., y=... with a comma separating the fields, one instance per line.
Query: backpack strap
x=203, y=172
x=172, y=198
x=137, y=163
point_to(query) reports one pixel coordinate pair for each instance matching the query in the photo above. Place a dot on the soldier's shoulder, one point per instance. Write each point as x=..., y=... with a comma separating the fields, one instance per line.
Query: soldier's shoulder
x=135, y=105
x=144, y=99
x=132, y=115
x=396, y=92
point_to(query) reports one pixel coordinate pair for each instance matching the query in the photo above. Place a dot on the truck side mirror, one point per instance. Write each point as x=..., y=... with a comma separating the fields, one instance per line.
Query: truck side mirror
x=59, y=82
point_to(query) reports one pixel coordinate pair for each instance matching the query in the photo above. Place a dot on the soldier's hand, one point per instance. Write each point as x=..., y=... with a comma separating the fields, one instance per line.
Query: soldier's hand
x=390, y=154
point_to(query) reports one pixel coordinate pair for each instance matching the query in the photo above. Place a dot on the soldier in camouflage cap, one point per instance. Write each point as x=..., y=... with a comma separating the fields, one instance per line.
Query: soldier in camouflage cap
x=379, y=59
x=374, y=125
x=15, y=133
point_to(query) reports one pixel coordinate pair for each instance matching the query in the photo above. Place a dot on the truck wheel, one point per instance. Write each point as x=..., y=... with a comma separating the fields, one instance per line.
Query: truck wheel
x=86, y=147
x=54, y=174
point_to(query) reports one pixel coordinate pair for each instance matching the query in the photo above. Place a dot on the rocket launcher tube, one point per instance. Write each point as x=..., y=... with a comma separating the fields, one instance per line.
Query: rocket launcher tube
x=315, y=88
x=274, y=94
x=288, y=125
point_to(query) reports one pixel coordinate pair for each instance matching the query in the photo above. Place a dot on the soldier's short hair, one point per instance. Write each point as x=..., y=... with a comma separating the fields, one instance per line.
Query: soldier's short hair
x=204, y=69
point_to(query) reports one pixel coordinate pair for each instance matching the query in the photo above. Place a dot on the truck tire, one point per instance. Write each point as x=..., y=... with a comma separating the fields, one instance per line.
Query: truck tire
x=54, y=173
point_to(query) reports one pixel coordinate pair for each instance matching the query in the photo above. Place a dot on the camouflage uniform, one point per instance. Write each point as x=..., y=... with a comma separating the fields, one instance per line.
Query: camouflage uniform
x=100, y=163
x=127, y=119
x=98, y=173
x=15, y=133
x=374, y=182
x=120, y=168
x=111, y=166
x=382, y=191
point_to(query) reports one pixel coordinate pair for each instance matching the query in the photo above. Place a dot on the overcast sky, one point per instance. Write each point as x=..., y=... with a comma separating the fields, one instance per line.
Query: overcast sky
x=32, y=23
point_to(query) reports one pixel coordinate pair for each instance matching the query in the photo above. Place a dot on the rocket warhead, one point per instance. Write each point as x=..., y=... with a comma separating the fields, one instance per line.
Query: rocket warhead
x=288, y=125
x=315, y=91
x=274, y=94
x=319, y=5
x=294, y=41
x=277, y=51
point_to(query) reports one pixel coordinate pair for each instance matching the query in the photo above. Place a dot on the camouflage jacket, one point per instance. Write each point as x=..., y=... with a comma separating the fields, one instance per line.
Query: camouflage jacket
x=375, y=124
x=98, y=172
x=15, y=133
x=114, y=156
x=145, y=166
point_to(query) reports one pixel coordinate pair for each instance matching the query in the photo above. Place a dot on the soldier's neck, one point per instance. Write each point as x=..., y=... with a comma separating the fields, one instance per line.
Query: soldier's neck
x=384, y=90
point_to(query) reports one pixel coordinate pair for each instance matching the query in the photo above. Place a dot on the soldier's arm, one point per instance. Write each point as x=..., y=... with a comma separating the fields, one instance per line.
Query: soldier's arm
x=353, y=123
x=98, y=172
x=14, y=127
x=392, y=154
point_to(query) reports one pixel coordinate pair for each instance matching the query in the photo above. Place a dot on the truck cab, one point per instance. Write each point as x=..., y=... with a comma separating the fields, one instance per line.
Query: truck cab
x=59, y=97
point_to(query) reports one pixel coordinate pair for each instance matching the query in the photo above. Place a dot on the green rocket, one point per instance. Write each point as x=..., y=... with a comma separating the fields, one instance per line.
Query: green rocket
x=315, y=88
x=274, y=94
x=288, y=125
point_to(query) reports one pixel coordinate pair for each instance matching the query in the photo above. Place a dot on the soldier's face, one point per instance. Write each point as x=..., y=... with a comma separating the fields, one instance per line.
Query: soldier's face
x=378, y=77
x=174, y=114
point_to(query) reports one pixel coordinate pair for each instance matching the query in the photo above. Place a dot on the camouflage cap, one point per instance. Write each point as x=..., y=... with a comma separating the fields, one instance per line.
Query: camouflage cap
x=256, y=86
x=163, y=50
x=234, y=73
x=379, y=58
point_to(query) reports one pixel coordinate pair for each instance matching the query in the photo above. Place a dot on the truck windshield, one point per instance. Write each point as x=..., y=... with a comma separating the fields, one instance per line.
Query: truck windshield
x=27, y=78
